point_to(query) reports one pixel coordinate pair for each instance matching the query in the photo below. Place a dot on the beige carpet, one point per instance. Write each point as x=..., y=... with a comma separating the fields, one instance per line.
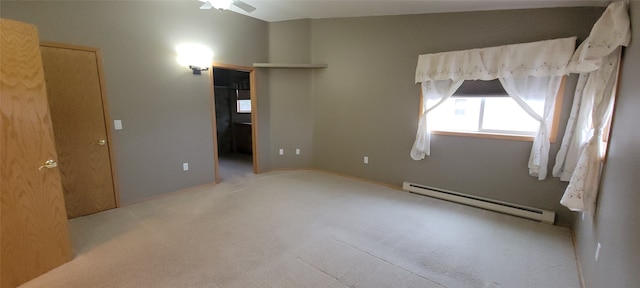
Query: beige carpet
x=234, y=164
x=311, y=229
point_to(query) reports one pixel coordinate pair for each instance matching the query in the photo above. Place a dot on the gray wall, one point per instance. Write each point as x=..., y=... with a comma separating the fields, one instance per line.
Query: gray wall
x=366, y=102
x=290, y=94
x=615, y=224
x=165, y=109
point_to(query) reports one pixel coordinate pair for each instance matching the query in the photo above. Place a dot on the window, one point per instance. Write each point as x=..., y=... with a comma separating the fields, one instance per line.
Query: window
x=244, y=106
x=499, y=115
x=484, y=109
x=243, y=101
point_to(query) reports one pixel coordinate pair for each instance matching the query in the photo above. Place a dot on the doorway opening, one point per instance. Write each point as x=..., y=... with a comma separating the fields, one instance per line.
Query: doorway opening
x=234, y=109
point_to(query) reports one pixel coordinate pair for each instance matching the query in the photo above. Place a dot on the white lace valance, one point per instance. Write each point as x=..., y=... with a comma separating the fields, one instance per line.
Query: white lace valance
x=541, y=58
x=612, y=30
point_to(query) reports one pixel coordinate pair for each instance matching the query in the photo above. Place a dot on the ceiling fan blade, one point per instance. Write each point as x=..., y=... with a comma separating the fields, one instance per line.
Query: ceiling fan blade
x=244, y=6
x=206, y=5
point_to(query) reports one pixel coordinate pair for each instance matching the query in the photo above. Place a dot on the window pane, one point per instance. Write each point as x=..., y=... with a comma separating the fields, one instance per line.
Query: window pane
x=456, y=114
x=504, y=114
x=244, y=106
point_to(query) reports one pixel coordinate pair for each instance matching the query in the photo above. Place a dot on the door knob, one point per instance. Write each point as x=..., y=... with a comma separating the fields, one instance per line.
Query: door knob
x=49, y=164
x=101, y=142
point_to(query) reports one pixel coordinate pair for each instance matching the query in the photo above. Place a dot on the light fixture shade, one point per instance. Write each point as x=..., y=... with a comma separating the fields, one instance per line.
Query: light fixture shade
x=194, y=55
x=221, y=4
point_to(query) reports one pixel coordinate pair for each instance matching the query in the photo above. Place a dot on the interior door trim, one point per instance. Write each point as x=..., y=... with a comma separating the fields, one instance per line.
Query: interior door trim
x=105, y=107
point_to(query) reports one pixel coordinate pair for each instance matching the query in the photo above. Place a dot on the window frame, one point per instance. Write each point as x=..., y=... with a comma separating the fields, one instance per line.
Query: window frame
x=606, y=132
x=506, y=136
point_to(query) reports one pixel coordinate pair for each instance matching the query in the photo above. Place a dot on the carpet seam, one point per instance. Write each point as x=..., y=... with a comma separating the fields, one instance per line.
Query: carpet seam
x=386, y=261
x=325, y=273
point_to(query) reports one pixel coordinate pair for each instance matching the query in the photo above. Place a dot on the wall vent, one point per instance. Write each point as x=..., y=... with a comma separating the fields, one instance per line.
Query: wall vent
x=484, y=203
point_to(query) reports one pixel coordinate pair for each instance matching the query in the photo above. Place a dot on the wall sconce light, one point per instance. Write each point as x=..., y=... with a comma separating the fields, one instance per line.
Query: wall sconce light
x=195, y=56
x=198, y=70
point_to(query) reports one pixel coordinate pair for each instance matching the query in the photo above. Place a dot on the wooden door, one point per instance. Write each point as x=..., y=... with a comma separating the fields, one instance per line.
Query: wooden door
x=78, y=111
x=34, y=230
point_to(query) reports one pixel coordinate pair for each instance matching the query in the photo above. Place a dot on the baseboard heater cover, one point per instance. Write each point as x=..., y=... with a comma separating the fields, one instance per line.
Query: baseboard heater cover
x=484, y=203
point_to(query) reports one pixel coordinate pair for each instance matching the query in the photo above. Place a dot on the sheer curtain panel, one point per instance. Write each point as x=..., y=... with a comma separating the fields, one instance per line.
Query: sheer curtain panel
x=537, y=96
x=434, y=93
x=599, y=92
x=597, y=60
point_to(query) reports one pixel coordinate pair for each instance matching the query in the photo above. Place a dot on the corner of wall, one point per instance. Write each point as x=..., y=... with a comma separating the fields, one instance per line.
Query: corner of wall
x=290, y=95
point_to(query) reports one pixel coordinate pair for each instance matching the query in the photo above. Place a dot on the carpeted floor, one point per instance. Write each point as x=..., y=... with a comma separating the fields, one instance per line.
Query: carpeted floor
x=234, y=165
x=311, y=229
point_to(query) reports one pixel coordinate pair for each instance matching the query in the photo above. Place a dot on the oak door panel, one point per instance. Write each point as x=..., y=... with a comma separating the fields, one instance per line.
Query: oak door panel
x=34, y=230
x=78, y=116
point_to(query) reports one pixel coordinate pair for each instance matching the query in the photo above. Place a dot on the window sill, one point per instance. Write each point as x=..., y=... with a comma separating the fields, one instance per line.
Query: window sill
x=525, y=138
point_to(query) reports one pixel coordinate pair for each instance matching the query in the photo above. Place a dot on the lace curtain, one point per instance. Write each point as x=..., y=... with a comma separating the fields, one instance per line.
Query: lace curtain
x=597, y=59
x=529, y=92
x=541, y=58
x=434, y=93
x=529, y=72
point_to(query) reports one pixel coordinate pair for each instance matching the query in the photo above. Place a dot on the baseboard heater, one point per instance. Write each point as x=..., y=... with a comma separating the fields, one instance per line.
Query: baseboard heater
x=484, y=203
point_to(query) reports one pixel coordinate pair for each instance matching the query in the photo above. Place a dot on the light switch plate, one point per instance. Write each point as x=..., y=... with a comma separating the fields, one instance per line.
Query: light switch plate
x=281, y=151
x=298, y=151
x=117, y=124
x=185, y=166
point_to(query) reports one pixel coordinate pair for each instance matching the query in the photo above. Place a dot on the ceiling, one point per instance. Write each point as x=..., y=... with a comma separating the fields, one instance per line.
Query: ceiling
x=280, y=10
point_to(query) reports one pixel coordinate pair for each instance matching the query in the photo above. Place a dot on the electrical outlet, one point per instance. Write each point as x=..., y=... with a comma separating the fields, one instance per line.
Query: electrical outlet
x=598, y=251
x=297, y=151
x=117, y=124
x=281, y=151
x=185, y=166
x=366, y=160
